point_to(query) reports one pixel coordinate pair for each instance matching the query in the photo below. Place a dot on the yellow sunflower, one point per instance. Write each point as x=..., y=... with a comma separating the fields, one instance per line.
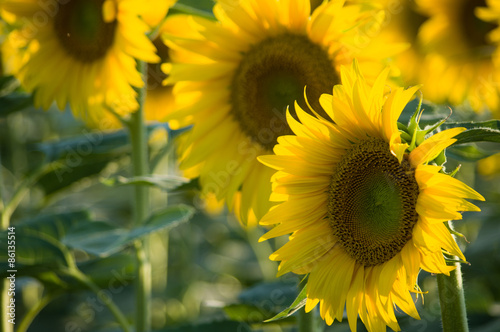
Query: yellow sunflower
x=401, y=25
x=82, y=53
x=365, y=211
x=159, y=100
x=461, y=65
x=236, y=77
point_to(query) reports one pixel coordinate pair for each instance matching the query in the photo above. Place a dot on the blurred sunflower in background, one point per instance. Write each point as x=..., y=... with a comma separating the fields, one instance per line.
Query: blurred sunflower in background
x=159, y=100
x=401, y=25
x=81, y=53
x=236, y=77
x=365, y=207
x=460, y=39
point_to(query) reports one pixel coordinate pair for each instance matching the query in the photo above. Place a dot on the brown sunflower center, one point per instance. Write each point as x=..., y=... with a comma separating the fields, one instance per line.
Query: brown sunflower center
x=271, y=76
x=475, y=30
x=82, y=31
x=155, y=75
x=372, y=205
x=413, y=20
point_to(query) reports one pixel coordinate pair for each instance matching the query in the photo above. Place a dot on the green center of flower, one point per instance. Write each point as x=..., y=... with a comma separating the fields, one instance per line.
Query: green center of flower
x=475, y=30
x=271, y=76
x=80, y=27
x=372, y=205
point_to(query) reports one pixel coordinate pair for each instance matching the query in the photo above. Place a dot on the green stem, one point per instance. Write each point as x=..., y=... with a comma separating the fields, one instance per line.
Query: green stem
x=307, y=321
x=34, y=311
x=113, y=308
x=138, y=138
x=452, y=300
x=4, y=302
x=4, y=283
x=451, y=297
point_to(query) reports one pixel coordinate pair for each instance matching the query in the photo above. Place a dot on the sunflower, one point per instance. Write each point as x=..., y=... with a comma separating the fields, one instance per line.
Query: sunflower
x=462, y=53
x=82, y=53
x=401, y=25
x=365, y=208
x=235, y=78
x=159, y=100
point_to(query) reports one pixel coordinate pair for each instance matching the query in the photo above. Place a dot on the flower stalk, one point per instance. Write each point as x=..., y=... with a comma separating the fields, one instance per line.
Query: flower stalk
x=308, y=321
x=140, y=167
x=451, y=297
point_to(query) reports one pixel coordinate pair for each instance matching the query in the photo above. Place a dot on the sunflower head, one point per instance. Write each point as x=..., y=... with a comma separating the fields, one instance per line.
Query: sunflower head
x=460, y=40
x=364, y=203
x=82, y=53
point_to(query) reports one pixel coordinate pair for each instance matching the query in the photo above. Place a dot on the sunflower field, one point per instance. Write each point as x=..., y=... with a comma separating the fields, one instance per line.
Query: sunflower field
x=249, y=165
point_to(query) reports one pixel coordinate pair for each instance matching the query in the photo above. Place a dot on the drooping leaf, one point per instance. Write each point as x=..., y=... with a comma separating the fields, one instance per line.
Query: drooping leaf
x=63, y=173
x=97, y=238
x=164, y=182
x=103, y=239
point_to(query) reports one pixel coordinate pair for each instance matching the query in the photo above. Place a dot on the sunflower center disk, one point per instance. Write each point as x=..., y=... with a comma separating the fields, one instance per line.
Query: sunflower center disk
x=81, y=29
x=271, y=76
x=372, y=205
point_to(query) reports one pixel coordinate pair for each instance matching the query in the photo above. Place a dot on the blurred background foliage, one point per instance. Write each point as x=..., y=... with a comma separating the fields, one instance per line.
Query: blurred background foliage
x=220, y=277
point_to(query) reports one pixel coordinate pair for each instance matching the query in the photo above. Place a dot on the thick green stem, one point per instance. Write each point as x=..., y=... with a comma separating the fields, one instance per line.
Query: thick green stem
x=138, y=138
x=452, y=300
x=308, y=322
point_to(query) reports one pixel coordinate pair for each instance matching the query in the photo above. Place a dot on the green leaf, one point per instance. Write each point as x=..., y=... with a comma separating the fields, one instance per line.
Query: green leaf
x=103, y=239
x=487, y=131
x=97, y=238
x=167, y=218
x=468, y=152
x=247, y=313
x=38, y=248
x=63, y=174
x=91, y=143
x=164, y=182
x=119, y=268
x=74, y=150
x=31, y=251
x=14, y=102
x=220, y=326
x=299, y=302
x=54, y=225
x=11, y=100
x=202, y=8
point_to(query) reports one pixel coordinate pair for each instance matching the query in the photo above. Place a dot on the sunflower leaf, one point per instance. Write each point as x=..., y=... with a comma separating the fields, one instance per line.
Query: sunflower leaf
x=486, y=131
x=202, y=8
x=299, y=302
x=468, y=152
x=102, y=239
x=165, y=182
